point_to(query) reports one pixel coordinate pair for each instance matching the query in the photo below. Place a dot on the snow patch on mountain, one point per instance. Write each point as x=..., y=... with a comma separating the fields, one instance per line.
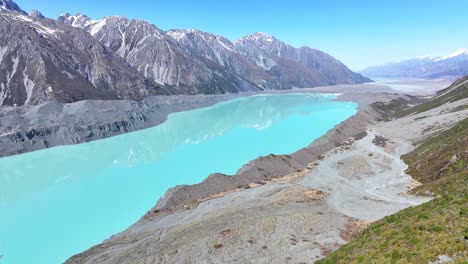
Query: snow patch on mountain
x=5, y=88
x=69, y=75
x=224, y=45
x=450, y=66
x=261, y=36
x=425, y=57
x=23, y=18
x=453, y=55
x=15, y=61
x=97, y=26
x=44, y=30
x=177, y=35
x=3, y=51
x=2, y=93
x=160, y=74
x=28, y=85
x=38, y=26
x=265, y=63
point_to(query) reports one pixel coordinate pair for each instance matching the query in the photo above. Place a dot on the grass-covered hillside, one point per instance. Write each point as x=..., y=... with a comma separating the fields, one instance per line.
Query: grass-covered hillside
x=440, y=227
x=400, y=107
x=457, y=91
x=421, y=234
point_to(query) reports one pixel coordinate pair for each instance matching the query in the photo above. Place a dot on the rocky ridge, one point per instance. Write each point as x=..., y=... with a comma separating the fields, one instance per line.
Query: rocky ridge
x=43, y=60
x=263, y=63
x=76, y=58
x=452, y=66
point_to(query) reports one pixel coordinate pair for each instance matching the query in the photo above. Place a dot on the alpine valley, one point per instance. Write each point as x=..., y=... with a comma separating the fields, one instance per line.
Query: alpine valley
x=76, y=58
x=451, y=66
x=121, y=142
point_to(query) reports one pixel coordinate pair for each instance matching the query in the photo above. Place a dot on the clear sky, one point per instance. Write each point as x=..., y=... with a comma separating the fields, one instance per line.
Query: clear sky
x=360, y=33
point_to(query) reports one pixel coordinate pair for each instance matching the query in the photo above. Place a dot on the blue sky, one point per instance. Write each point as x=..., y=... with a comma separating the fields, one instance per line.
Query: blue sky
x=359, y=33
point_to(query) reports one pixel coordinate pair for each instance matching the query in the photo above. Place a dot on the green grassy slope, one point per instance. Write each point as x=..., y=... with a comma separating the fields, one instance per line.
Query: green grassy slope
x=400, y=107
x=420, y=234
x=457, y=91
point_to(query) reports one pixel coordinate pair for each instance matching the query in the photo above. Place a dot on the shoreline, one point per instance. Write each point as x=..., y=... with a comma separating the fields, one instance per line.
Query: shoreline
x=265, y=168
x=271, y=168
x=209, y=212
x=55, y=124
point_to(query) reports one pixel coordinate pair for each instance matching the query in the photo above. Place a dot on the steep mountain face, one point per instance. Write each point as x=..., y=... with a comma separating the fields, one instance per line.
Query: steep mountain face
x=219, y=54
x=43, y=60
x=36, y=14
x=451, y=66
x=77, y=58
x=211, y=63
x=10, y=5
x=302, y=67
x=173, y=59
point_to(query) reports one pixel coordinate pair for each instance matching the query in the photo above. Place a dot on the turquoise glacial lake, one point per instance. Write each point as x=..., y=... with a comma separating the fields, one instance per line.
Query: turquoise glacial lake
x=58, y=202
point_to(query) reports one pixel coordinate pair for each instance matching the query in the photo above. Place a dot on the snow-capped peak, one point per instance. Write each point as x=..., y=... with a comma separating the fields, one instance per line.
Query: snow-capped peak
x=36, y=14
x=78, y=20
x=257, y=37
x=425, y=57
x=176, y=34
x=263, y=36
x=453, y=55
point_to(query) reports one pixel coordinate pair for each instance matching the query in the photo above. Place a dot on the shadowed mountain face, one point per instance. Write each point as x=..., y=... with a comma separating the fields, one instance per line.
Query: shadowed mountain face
x=258, y=61
x=451, y=66
x=190, y=62
x=43, y=60
x=295, y=67
x=10, y=5
x=76, y=58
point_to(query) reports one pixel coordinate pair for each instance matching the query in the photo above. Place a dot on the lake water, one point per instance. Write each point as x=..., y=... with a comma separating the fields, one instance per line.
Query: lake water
x=60, y=201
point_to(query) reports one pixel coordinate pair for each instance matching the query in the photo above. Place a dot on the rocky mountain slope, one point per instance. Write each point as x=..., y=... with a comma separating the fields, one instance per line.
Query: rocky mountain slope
x=77, y=58
x=158, y=56
x=43, y=60
x=294, y=67
x=216, y=64
x=10, y=5
x=451, y=66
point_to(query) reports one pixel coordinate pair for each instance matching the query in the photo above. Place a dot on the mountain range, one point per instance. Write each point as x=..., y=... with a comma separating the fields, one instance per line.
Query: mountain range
x=451, y=66
x=76, y=58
